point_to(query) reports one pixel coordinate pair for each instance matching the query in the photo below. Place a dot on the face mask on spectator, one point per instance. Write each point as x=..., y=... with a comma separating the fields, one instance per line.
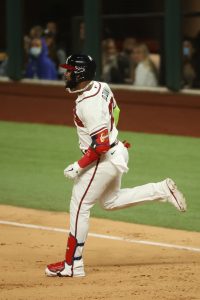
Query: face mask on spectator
x=186, y=51
x=35, y=51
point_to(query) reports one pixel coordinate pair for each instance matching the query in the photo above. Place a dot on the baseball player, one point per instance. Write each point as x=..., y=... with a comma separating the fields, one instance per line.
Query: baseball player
x=97, y=174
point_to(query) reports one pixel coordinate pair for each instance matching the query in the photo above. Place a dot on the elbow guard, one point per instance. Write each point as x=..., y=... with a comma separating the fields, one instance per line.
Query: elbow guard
x=100, y=141
x=100, y=144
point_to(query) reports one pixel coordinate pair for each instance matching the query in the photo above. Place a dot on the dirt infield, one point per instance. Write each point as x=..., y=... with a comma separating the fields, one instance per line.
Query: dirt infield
x=115, y=269
x=150, y=112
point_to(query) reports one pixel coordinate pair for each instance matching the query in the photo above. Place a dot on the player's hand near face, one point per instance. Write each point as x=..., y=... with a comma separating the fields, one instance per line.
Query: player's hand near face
x=72, y=171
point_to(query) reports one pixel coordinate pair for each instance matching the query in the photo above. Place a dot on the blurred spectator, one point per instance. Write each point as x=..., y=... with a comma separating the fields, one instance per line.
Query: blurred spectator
x=110, y=68
x=34, y=33
x=3, y=63
x=56, y=53
x=81, y=36
x=145, y=73
x=79, y=41
x=51, y=27
x=191, y=65
x=189, y=73
x=197, y=60
x=51, y=44
x=125, y=63
x=39, y=64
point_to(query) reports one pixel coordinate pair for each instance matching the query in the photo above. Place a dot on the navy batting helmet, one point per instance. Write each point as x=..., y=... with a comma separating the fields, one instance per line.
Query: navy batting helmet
x=82, y=68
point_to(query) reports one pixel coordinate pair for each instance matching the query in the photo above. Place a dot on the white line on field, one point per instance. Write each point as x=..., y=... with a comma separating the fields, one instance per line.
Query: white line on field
x=103, y=236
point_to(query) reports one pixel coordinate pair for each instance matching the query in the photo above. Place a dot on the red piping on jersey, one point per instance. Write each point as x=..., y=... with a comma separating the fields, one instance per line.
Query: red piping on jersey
x=110, y=107
x=77, y=119
x=93, y=94
x=77, y=215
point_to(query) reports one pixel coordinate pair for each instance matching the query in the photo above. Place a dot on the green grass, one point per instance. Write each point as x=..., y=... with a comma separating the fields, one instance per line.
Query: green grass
x=32, y=159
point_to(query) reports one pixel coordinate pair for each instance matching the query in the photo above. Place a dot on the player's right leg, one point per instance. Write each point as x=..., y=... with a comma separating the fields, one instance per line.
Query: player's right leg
x=116, y=198
x=80, y=205
x=88, y=188
x=164, y=191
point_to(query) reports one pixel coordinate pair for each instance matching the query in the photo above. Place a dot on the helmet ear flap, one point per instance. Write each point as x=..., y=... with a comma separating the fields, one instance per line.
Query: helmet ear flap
x=78, y=76
x=73, y=81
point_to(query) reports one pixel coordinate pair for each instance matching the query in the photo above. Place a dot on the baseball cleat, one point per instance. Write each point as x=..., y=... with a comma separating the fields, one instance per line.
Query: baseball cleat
x=175, y=197
x=54, y=269
x=62, y=269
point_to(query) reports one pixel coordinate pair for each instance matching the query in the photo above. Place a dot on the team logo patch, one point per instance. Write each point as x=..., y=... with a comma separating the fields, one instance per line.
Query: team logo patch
x=79, y=69
x=105, y=94
x=103, y=137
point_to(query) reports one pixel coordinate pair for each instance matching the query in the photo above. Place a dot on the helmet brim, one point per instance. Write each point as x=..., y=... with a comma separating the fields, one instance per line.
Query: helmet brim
x=68, y=67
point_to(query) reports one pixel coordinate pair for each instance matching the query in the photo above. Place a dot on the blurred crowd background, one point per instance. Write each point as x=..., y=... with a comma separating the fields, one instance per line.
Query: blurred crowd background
x=130, y=58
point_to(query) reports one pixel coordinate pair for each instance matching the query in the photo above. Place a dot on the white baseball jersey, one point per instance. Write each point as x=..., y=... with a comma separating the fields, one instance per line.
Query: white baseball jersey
x=94, y=112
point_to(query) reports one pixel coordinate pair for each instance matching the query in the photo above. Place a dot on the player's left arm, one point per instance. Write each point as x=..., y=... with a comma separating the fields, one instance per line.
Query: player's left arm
x=94, y=121
x=100, y=144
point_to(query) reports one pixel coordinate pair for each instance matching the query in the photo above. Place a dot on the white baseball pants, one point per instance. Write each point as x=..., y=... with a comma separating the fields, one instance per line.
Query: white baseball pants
x=101, y=182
